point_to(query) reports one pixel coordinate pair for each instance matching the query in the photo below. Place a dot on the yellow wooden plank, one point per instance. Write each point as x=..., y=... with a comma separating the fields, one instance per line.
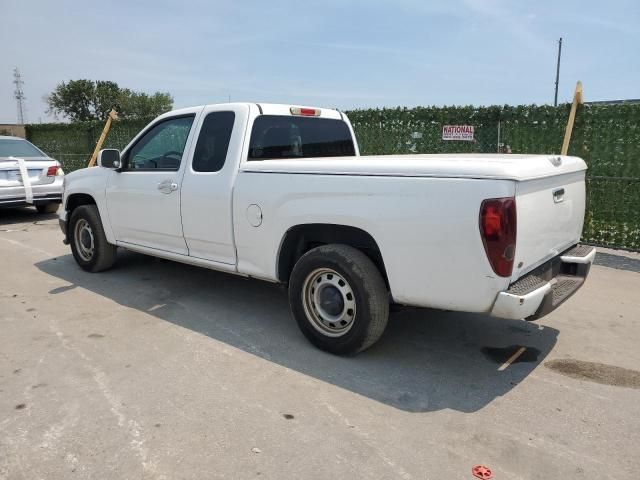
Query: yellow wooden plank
x=577, y=98
x=103, y=136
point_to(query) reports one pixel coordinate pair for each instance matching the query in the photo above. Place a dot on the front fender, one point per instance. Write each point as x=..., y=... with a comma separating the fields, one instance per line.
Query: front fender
x=92, y=182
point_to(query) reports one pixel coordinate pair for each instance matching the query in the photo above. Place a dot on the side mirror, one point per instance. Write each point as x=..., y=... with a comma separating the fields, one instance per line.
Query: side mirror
x=109, y=158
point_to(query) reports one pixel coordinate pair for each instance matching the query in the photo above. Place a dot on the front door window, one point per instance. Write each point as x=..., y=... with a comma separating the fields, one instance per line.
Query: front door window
x=161, y=147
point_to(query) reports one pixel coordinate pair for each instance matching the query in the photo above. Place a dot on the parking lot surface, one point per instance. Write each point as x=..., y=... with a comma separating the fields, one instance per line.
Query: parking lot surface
x=158, y=370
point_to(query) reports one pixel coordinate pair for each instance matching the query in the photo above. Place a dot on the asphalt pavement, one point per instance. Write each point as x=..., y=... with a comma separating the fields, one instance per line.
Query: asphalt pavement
x=158, y=370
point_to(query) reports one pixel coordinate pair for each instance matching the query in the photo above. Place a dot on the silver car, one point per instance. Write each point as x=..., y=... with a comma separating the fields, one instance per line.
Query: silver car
x=44, y=186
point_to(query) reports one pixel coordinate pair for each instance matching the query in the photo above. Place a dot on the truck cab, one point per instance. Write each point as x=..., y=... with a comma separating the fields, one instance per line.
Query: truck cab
x=172, y=188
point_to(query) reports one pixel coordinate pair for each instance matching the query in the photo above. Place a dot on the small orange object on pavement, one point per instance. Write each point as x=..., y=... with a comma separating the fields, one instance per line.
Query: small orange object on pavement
x=480, y=471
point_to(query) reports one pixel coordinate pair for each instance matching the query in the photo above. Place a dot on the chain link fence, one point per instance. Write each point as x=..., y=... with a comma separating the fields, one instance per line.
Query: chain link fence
x=607, y=137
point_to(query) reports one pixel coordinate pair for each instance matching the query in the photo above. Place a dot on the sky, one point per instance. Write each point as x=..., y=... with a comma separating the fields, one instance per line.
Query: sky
x=330, y=53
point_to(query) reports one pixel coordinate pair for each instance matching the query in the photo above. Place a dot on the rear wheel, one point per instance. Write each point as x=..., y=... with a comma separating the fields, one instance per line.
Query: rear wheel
x=51, y=207
x=88, y=242
x=339, y=299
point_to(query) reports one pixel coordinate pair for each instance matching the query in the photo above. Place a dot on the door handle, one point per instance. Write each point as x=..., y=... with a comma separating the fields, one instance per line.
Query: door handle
x=558, y=195
x=167, y=186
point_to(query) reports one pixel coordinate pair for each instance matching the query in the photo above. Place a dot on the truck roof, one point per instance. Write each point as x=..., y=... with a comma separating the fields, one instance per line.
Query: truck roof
x=265, y=109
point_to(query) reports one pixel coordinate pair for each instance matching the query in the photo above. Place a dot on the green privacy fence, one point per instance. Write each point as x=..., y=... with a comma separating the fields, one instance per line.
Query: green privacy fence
x=613, y=213
x=73, y=143
x=607, y=137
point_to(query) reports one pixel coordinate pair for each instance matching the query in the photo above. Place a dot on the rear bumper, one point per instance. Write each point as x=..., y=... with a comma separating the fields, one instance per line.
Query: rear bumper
x=547, y=287
x=22, y=201
x=15, y=196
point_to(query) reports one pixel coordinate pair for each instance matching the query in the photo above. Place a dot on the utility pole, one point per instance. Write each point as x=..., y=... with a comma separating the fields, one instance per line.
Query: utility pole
x=555, y=100
x=18, y=94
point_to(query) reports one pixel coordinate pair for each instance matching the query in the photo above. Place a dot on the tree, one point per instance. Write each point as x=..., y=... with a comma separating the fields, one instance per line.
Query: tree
x=140, y=105
x=83, y=100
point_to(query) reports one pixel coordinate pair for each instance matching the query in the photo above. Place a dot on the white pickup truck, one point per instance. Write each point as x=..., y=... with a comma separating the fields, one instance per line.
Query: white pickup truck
x=280, y=193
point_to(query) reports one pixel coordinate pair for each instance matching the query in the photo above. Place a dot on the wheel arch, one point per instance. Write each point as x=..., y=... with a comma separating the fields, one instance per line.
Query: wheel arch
x=74, y=200
x=301, y=238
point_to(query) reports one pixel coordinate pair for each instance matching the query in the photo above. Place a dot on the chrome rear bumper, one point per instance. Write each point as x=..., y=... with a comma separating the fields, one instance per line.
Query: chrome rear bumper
x=15, y=196
x=547, y=287
x=22, y=201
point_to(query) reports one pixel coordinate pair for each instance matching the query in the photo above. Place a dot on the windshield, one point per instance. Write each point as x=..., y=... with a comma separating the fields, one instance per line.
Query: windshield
x=18, y=148
x=279, y=136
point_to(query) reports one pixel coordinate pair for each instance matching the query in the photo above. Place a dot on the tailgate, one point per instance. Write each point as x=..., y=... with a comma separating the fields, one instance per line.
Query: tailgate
x=550, y=218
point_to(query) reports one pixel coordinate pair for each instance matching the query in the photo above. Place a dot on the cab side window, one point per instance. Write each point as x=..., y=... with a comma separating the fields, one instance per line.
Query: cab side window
x=161, y=148
x=213, y=142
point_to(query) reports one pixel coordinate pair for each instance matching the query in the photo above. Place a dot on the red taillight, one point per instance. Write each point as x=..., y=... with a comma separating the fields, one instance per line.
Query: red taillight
x=52, y=171
x=498, y=230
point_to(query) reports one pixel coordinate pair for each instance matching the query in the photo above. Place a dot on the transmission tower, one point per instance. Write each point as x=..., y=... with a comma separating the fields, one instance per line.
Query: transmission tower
x=18, y=94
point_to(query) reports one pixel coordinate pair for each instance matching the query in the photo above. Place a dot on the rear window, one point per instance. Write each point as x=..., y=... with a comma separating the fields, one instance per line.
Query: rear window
x=18, y=148
x=279, y=136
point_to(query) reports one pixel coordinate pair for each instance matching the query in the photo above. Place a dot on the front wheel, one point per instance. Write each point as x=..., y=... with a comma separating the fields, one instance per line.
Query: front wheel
x=339, y=299
x=88, y=242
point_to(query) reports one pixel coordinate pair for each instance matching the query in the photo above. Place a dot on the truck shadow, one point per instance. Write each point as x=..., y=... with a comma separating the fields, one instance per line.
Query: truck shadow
x=426, y=361
x=18, y=216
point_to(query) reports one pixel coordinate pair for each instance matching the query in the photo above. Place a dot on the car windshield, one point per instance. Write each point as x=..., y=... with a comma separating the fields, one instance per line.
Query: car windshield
x=18, y=148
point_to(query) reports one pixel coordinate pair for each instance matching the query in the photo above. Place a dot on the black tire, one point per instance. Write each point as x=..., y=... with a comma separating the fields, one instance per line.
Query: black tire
x=103, y=253
x=369, y=297
x=51, y=207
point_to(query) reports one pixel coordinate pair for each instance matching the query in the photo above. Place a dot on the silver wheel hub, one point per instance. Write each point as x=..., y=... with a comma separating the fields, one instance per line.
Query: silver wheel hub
x=83, y=236
x=329, y=302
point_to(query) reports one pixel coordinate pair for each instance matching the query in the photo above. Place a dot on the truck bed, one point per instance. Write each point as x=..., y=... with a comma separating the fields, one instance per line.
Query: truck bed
x=547, y=224
x=484, y=166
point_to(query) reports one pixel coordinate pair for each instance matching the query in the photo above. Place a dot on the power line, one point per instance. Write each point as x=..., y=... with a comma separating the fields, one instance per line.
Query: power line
x=18, y=94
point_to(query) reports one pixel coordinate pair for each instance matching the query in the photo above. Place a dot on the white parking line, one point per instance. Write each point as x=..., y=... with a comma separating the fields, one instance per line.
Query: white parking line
x=512, y=358
x=24, y=245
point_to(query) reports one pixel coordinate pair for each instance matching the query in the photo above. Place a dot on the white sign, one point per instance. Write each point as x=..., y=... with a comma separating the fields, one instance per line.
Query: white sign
x=457, y=132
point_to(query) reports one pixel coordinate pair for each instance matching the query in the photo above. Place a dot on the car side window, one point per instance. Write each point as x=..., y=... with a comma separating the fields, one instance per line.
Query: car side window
x=213, y=142
x=161, y=148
